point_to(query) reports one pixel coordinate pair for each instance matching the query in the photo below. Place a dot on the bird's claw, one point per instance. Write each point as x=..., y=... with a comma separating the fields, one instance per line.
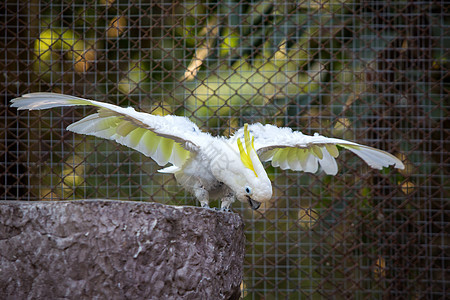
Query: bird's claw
x=224, y=209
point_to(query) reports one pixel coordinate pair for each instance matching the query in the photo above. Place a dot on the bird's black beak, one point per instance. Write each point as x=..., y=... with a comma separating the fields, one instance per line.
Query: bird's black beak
x=253, y=204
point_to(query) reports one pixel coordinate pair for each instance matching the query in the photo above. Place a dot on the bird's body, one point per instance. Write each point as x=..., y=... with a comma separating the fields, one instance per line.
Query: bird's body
x=205, y=165
x=196, y=174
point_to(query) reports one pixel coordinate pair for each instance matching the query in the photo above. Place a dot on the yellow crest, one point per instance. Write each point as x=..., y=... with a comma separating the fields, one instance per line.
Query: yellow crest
x=245, y=155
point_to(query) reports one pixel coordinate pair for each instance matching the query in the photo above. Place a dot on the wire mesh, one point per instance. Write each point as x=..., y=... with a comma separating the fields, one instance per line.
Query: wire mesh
x=376, y=72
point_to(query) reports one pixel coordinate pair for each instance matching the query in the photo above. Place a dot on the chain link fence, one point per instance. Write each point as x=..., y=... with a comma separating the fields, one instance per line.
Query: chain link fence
x=375, y=72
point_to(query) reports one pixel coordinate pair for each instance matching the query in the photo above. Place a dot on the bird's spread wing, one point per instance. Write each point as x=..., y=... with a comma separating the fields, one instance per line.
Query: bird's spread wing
x=164, y=139
x=293, y=150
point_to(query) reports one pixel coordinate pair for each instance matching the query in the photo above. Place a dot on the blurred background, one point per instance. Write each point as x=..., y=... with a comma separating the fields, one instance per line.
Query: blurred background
x=374, y=72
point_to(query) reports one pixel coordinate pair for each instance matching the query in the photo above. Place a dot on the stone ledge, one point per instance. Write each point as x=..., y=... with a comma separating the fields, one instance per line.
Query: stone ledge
x=118, y=250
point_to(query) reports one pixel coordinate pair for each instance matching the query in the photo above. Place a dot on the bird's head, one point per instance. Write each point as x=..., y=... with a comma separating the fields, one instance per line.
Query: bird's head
x=253, y=186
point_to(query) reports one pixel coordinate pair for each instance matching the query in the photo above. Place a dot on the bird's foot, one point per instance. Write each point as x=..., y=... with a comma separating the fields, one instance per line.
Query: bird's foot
x=226, y=202
x=222, y=209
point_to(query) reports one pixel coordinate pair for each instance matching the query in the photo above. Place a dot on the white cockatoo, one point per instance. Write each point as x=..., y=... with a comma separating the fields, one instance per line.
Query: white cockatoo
x=209, y=166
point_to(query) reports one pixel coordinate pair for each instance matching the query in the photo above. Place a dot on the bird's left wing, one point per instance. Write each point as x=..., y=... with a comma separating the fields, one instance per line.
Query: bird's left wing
x=164, y=139
x=294, y=150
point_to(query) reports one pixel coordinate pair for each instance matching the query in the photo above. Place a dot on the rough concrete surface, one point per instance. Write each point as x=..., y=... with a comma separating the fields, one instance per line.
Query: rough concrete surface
x=100, y=249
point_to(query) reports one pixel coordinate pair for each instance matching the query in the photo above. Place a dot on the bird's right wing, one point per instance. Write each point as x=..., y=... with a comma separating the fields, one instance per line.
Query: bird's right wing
x=164, y=139
x=294, y=150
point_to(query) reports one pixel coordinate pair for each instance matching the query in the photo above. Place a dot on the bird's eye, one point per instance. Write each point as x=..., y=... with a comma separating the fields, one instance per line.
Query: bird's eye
x=248, y=190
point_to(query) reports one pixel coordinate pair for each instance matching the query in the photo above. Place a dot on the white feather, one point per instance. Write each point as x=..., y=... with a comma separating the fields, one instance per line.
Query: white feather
x=375, y=158
x=170, y=170
x=328, y=163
